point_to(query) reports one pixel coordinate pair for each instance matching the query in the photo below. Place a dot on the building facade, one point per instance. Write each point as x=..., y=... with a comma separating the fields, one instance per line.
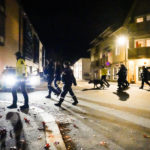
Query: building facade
x=127, y=44
x=18, y=34
x=81, y=69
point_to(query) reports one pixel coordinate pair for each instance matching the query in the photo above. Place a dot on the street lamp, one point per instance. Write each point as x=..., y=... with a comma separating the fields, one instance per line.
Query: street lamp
x=122, y=41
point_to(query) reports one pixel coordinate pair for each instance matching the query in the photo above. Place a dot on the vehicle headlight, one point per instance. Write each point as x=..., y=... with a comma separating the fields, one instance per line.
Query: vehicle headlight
x=34, y=81
x=9, y=80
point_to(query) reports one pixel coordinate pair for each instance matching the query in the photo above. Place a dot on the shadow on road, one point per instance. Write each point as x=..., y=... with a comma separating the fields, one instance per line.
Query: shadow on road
x=123, y=96
x=3, y=134
x=92, y=89
x=15, y=120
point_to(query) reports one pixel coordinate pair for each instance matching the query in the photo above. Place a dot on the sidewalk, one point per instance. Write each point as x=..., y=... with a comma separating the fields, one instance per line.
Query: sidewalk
x=33, y=129
x=133, y=98
x=85, y=83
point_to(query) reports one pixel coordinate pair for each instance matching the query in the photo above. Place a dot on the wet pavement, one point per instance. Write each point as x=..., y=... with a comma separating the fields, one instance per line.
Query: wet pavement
x=103, y=119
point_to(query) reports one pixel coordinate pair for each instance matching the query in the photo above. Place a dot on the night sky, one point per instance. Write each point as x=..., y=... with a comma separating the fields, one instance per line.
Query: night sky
x=67, y=27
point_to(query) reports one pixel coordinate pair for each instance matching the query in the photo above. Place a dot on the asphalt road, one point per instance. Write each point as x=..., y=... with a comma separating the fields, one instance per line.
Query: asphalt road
x=103, y=119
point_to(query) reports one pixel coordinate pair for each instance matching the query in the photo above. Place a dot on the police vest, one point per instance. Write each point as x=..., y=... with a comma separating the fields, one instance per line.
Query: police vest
x=21, y=69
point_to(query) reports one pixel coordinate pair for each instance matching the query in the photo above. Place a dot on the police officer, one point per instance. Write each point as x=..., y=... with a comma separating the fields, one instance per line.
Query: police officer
x=21, y=74
x=144, y=76
x=67, y=79
x=125, y=82
x=122, y=75
x=49, y=71
x=121, y=78
x=57, y=75
x=104, y=75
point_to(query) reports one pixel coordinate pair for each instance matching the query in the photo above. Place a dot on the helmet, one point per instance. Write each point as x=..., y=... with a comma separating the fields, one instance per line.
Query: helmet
x=18, y=54
x=67, y=63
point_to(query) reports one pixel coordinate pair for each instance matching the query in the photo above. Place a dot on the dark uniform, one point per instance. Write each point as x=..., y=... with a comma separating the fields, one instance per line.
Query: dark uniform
x=122, y=75
x=49, y=71
x=144, y=76
x=57, y=76
x=67, y=79
x=21, y=74
x=125, y=82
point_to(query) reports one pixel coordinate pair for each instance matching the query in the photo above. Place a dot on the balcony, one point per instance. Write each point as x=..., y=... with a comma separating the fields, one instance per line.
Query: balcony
x=136, y=53
x=139, y=28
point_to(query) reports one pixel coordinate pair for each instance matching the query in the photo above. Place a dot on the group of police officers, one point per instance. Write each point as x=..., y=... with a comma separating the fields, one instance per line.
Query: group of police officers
x=54, y=74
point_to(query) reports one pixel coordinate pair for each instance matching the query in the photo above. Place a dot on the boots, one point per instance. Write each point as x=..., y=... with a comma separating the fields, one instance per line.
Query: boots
x=24, y=106
x=48, y=96
x=75, y=101
x=12, y=106
x=59, y=103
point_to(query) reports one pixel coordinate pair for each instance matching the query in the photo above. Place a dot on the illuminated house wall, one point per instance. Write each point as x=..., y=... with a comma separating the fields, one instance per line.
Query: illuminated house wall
x=134, y=51
x=81, y=69
x=13, y=32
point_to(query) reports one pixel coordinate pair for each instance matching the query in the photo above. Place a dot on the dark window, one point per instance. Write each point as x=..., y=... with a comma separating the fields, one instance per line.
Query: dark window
x=36, y=49
x=27, y=40
x=2, y=22
x=2, y=2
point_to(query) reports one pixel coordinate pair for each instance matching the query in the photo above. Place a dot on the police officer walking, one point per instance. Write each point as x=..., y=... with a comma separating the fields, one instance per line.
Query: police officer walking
x=21, y=74
x=122, y=75
x=144, y=76
x=57, y=75
x=67, y=79
x=126, y=83
x=49, y=71
x=104, y=75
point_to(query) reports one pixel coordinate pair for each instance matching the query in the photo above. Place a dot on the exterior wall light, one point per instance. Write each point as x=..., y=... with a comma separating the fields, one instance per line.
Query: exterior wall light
x=121, y=40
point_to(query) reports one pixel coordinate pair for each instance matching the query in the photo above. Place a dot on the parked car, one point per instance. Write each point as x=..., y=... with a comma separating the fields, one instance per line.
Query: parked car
x=8, y=79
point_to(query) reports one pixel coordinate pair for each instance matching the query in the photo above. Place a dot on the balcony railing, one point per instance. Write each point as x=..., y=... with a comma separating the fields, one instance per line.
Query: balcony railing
x=136, y=53
x=139, y=28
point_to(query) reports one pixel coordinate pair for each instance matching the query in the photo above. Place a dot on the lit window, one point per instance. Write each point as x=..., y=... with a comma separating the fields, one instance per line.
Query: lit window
x=140, y=19
x=142, y=43
x=139, y=43
x=148, y=43
x=117, y=50
x=148, y=17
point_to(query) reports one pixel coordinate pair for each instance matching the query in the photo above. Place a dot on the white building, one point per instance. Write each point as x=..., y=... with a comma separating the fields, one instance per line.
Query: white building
x=82, y=69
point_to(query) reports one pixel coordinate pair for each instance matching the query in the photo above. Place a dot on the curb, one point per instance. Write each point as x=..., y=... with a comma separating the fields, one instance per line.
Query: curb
x=52, y=132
